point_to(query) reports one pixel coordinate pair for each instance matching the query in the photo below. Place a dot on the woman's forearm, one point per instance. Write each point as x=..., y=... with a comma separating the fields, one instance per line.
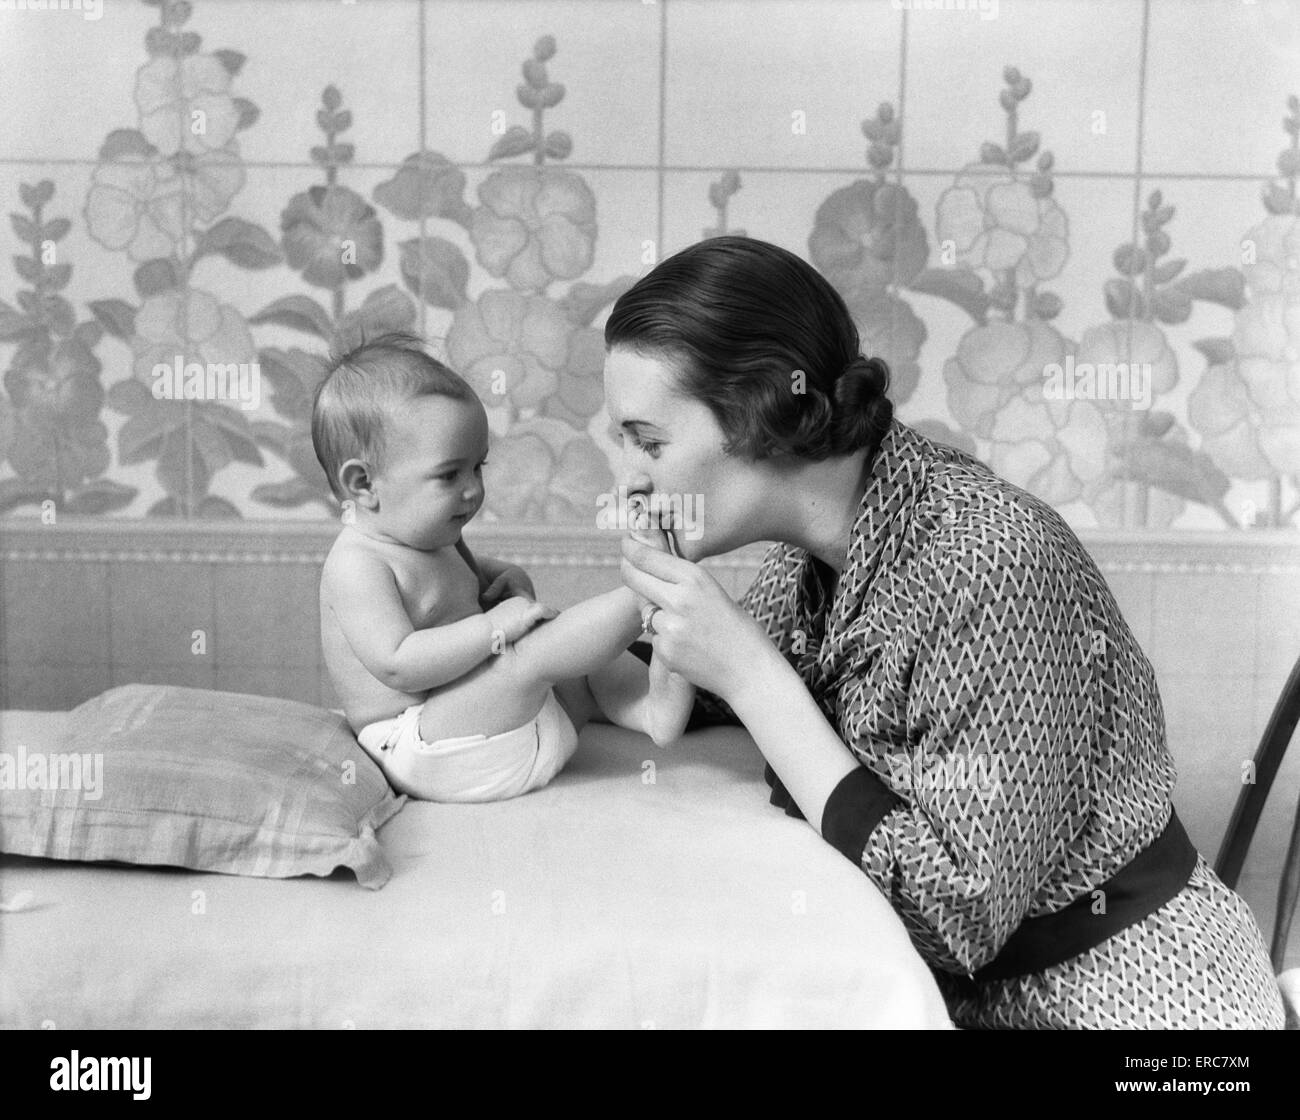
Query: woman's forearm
x=783, y=719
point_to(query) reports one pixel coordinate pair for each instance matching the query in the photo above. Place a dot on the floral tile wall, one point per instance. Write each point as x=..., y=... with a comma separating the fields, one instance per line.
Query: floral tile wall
x=1013, y=196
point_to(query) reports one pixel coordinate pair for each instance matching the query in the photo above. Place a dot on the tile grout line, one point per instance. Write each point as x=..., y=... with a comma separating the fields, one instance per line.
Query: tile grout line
x=422, y=61
x=684, y=168
x=1143, y=48
x=663, y=126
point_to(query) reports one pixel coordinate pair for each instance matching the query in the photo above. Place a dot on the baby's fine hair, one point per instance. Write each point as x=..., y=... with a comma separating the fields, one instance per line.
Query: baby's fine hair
x=361, y=391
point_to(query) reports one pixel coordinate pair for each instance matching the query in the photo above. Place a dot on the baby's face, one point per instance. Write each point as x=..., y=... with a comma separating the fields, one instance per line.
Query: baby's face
x=432, y=481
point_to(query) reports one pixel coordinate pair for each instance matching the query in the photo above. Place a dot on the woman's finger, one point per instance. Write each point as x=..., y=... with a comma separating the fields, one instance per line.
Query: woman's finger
x=647, y=586
x=662, y=565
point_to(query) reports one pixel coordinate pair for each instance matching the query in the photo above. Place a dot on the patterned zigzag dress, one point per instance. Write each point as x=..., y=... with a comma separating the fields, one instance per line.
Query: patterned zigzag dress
x=974, y=660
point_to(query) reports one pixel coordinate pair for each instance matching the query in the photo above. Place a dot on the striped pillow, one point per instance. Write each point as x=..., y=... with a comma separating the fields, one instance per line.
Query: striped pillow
x=212, y=781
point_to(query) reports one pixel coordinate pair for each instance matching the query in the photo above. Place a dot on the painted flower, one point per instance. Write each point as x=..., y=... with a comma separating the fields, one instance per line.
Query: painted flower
x=209, y=180
x=867, y=236
x=63, y=383
x=1219, y=408
x=997, y=362
x=56, y=438
x=536, y=224
x=185, y=104
x=331, y=234
x=543, y=470
x=1130, y=344
x=136, y=204
x=192, y=324
x=1055, y=449
x=890, y=329
x=1275, y=270
x=510, y=346
x=1267, y=341
x=996, y=223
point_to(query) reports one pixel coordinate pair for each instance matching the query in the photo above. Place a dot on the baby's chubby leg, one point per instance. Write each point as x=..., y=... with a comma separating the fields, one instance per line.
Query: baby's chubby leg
x=508, y=688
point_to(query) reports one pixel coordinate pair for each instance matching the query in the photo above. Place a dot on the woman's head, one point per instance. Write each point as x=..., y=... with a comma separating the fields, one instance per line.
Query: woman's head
x=742, y=341
x=761, y=338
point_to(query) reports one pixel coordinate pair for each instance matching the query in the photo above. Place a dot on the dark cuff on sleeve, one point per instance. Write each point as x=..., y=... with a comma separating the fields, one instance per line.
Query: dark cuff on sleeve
x=859, y=803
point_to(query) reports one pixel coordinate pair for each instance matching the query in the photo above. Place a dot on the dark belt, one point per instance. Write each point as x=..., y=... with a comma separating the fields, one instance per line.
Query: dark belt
x=1137, y=890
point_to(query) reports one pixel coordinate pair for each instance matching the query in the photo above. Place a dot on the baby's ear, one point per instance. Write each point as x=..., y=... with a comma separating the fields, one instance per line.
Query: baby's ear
x=358, y=483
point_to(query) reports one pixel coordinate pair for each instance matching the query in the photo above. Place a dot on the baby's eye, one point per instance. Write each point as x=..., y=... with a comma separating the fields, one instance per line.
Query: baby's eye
x=481, y=465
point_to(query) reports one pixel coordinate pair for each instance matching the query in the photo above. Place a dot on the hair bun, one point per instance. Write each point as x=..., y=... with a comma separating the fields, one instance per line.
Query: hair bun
x=873, y=371
x=863, y=411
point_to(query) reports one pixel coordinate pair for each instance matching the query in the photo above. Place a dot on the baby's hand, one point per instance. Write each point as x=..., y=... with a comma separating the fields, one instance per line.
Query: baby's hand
x=514, y=617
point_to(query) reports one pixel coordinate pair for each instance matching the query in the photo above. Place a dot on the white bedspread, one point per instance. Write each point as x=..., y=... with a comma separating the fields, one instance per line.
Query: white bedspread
x=601, y=901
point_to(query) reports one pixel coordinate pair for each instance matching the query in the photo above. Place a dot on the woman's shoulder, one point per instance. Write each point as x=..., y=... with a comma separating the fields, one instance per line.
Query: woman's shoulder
x=967, y=516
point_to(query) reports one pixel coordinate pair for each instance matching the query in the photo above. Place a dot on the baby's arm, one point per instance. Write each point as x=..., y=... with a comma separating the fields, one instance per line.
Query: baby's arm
x=362, y=593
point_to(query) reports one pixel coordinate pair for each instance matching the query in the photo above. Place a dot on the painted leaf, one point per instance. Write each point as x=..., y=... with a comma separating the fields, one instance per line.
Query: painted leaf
x=516, y=141
x=101, y=495
x=156, y=276
x=387, y=309
x=300, y=313
x=427, y=185
x=1163, y=273
x=140, y=436
x=1225, y=286
x=180, y=470
x=1123, y=300
x=216, y=508
x=1023, y=147
x=241, y=243
x=125, y=142
x=129, y=397
x=1171, y=305
x=436, y=270
x=288, y=494
x=583, y=302
x=38, y=195
x=24, y=227
x=233, y=61
x=248, y=113
x=1175, y=468
x=15, y=492
x=959, y=286
x=116, y=316
x=233, y=424
x=272, y=434
x=1217, y=351
x=13, y=323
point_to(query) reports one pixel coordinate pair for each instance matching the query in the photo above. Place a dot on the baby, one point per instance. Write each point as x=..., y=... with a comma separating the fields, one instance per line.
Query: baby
x=454, y=702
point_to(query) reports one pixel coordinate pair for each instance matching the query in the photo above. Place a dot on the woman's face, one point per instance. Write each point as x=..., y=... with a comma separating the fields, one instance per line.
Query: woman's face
x=672, y=452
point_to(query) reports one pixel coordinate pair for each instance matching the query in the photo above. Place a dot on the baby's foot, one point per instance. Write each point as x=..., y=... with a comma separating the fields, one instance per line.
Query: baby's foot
x=646, y=528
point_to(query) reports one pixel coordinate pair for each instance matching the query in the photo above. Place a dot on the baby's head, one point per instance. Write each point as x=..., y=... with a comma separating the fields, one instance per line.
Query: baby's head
x=402, y=438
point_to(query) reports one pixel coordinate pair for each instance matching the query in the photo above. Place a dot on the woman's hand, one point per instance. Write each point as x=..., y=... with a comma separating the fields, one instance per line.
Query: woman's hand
x=700, y=632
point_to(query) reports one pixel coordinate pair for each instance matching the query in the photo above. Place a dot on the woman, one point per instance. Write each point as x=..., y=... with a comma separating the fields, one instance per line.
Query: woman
x=931, y=664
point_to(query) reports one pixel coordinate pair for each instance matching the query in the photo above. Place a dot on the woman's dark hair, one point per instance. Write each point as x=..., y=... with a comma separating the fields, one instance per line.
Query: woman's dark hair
x=762, y=338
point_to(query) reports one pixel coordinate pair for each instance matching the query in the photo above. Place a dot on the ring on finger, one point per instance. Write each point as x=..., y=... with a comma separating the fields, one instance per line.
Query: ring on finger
x=647, y=619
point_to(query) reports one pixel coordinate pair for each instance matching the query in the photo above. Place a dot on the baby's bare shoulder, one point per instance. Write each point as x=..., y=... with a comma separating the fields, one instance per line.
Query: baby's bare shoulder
x=353, y=560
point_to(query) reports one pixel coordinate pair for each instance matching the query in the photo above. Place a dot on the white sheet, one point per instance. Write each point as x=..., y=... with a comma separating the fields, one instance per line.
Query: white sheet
x=604, y=900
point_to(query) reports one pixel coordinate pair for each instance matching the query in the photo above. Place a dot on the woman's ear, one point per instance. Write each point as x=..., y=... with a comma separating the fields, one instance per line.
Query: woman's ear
x=358, y=484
